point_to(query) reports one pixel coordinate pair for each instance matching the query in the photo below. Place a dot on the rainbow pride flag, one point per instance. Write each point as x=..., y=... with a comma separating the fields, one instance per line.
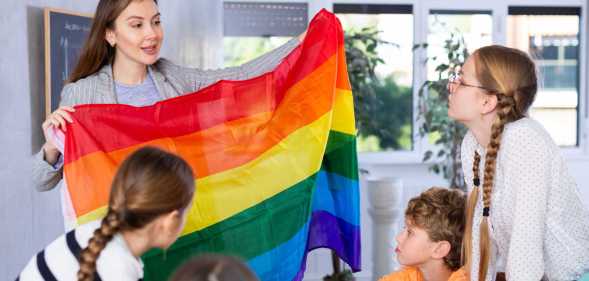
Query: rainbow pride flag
x=274, y=156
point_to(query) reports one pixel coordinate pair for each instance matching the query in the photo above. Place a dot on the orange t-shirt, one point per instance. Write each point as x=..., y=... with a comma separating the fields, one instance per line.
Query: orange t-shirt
x=413, y=274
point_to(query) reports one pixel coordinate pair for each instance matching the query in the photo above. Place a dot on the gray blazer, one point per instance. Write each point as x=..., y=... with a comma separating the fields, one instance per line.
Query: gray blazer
x=170, y=80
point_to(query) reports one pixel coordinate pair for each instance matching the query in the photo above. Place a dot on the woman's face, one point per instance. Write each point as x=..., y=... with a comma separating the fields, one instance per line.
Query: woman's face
x=137, y=34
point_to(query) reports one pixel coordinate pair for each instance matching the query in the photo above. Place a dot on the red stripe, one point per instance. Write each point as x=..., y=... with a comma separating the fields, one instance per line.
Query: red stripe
x=221, y=102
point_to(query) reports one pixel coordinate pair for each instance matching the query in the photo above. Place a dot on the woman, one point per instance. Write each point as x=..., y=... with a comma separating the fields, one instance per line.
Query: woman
x=120, y=64
x=149, y=198
x=524, y=214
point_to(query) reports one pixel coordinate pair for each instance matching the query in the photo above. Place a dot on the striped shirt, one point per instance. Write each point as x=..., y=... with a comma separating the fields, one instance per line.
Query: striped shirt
x=59, y=260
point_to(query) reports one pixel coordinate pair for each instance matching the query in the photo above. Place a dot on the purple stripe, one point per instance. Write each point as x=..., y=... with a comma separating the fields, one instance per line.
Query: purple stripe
x=328, y=231
x=301, y=273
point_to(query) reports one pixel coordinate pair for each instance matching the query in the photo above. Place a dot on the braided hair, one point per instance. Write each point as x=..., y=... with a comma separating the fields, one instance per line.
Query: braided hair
x=149, y=183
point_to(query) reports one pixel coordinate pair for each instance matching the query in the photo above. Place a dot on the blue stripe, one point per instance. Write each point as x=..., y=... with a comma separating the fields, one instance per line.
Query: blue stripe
x=338, y=196
x=284, y=261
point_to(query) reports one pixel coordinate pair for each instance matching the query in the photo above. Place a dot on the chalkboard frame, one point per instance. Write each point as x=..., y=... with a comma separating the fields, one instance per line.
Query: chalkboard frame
x=50, y=56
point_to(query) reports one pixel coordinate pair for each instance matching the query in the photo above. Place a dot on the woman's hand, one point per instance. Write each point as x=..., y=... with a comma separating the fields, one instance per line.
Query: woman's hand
x=57, y=119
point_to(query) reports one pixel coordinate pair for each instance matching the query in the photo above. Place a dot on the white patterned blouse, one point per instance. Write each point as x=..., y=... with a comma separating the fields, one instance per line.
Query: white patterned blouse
x=539, y=226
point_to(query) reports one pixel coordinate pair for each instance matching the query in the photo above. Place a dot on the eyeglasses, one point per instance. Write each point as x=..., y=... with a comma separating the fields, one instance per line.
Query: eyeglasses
x=455, y=81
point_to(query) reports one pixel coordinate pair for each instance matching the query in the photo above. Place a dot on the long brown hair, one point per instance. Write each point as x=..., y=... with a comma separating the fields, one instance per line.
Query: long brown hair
x=96, y=52
x=510, y=74
x=149, y=183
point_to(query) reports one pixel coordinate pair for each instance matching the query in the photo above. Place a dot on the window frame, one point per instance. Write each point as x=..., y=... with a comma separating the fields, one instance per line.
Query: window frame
x=410, y=155
x=581, y=151
x=499, y=11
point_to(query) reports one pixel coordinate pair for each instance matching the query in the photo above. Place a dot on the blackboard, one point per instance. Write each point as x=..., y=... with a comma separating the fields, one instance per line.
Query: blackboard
x=65, y=34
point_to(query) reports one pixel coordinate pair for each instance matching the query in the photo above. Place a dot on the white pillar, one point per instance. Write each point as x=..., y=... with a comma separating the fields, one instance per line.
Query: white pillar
x=384, y=196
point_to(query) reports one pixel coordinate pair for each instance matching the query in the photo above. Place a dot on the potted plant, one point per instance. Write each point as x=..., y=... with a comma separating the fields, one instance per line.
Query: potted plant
x=435, y=125
x=381, y=106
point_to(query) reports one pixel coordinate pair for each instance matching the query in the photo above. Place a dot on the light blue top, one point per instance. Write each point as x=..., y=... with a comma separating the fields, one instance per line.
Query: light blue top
x=138, y=95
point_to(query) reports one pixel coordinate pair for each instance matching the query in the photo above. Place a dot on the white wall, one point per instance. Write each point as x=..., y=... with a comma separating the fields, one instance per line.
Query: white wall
x=31, y=219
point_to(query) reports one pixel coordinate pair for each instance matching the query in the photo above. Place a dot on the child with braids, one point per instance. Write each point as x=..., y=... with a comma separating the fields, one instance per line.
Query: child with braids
x=525, y=219
x=429, y=246
x=149, y=197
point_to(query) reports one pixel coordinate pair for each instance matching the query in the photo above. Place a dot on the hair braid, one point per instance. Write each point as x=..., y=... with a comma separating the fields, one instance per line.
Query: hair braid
x=109, y=227
x=505, y=108
x=470, y=207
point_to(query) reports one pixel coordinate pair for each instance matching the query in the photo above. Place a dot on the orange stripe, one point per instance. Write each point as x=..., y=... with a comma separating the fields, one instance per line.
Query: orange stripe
x=342, y=81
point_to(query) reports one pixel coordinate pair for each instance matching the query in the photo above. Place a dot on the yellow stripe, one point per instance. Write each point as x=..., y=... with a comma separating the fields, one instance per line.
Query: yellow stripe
x=225, y=194
x=343, y=112
x=94, y=215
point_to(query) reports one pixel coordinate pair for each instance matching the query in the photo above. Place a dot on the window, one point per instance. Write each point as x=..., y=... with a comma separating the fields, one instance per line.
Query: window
x=474, y=26
x=551, y=36
x=253, y=28
x=392, y=123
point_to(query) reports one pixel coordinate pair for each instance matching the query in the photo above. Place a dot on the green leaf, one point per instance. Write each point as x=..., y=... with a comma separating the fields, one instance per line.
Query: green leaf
x=427, y=155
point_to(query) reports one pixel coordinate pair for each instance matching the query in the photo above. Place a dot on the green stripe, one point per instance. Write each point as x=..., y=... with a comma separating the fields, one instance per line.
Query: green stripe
x=337, y=139
x=247, y=234
x=340, y=155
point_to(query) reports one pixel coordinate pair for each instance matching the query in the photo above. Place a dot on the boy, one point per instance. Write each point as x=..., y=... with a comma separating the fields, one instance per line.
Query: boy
x=429, y=246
